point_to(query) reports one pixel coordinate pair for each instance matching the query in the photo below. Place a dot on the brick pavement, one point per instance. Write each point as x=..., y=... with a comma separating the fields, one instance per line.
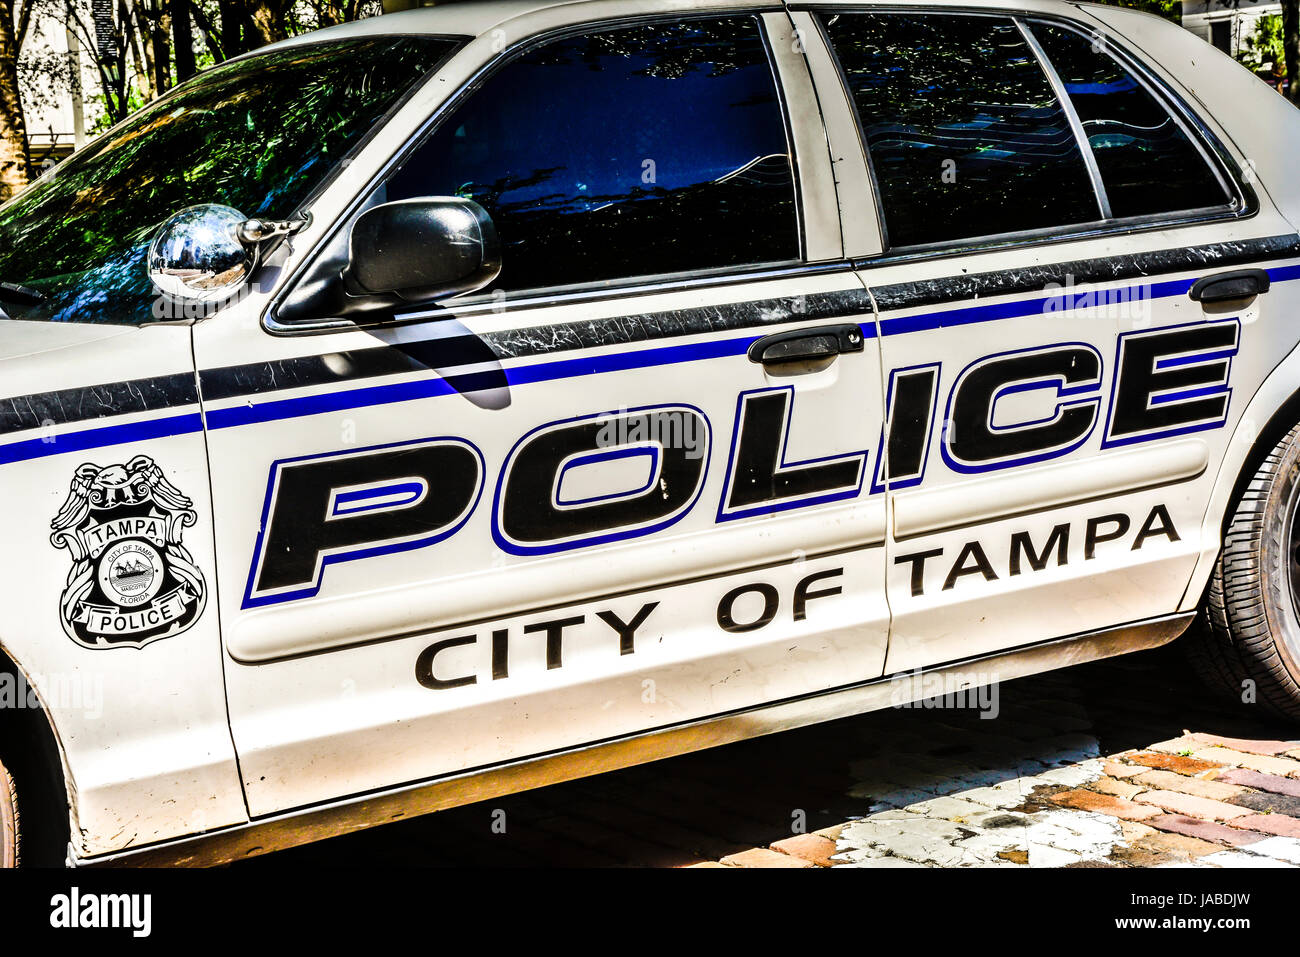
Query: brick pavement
x=1201, y=799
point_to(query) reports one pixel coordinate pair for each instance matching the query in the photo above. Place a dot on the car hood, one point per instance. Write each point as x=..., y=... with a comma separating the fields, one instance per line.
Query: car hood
x=19, y=338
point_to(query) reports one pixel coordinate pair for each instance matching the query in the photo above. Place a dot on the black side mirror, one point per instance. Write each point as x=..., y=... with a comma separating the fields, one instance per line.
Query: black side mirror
x=399, y=254
x=420, y=250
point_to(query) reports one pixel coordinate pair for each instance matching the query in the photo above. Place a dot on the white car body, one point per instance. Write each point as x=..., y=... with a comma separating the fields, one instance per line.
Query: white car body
x=266, y=723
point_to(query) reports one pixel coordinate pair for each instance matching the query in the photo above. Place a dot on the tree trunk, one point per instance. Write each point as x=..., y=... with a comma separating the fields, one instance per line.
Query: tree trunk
x=1291, y=47
x=137, y=41
x=109, y=70
x=268, y=21
x=160, y=28
x=183, y=41
x=115, y=85
x=14, y=168
x=232, y=24
x=210, y=30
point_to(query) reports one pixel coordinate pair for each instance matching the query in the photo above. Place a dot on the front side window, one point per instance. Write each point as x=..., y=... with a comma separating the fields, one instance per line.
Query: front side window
x=965, y=134
x=1148, y=164
x=259, y=134
x=640, y=151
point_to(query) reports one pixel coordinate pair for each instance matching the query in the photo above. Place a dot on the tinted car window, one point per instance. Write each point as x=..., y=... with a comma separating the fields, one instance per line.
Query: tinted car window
x=640, y=151
x=1147, y=163
x=965, y=135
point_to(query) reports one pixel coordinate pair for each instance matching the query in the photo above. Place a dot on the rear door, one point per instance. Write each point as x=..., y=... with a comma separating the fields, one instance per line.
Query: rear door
x=551, y=516
x=1058, y=400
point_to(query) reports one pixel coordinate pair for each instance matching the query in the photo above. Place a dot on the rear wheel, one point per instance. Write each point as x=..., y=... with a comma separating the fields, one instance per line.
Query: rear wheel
x=8, y=820
x=1250, y=645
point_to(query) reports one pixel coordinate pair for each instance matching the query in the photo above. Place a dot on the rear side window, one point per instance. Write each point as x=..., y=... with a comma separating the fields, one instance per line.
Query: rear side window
x=1148, y=163
x=965, y=134
x=640, y=151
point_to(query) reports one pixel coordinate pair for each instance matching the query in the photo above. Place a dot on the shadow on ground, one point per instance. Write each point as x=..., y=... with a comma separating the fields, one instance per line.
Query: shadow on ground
x=705, y=806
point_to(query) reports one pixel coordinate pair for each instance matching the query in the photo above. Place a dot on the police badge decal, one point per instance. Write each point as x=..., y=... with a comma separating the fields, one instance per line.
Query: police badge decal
x=132, y=581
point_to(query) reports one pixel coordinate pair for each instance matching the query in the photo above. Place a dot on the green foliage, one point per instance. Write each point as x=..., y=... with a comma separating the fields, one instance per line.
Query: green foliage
x=1264, y=45
x=1169, y=9
x=135, y=100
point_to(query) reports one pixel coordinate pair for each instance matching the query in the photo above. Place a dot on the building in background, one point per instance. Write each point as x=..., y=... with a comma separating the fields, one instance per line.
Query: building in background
x=1225, y=23
x=54, y=93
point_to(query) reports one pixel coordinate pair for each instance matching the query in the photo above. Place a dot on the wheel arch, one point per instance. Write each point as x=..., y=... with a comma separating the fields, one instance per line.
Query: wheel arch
x=33, y=752
x=1273, y=411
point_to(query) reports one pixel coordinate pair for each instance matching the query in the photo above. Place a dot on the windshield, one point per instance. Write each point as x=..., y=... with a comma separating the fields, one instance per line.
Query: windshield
x=259, y=134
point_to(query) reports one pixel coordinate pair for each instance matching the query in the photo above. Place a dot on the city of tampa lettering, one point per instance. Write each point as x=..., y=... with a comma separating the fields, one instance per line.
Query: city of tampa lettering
x=755, y=604
x=977, y=561
x=746, y=607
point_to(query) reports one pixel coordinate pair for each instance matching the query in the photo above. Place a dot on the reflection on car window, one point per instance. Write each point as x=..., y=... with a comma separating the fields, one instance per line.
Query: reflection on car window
x=965, y=135
x=1148, y=164
x=635, y=152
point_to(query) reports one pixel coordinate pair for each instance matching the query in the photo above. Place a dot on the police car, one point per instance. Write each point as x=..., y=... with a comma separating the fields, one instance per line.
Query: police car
x=464, y=400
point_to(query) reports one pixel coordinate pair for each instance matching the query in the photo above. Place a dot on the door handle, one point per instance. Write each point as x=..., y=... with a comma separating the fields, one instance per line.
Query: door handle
x=805, y=344
x=1241, y=284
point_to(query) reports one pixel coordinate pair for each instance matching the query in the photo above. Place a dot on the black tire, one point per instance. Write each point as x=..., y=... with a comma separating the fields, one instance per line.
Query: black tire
x=8, y=820
x=1249, y=639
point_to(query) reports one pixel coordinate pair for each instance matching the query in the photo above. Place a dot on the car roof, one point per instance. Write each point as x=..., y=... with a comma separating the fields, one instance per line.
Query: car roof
x=474, y=18
x=447, y=19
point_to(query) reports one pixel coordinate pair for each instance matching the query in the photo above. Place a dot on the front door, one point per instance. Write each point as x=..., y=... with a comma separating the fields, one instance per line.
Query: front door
x=529, y=521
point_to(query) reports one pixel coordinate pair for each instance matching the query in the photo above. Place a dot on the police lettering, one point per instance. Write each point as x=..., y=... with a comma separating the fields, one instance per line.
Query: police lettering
x=352, y=505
